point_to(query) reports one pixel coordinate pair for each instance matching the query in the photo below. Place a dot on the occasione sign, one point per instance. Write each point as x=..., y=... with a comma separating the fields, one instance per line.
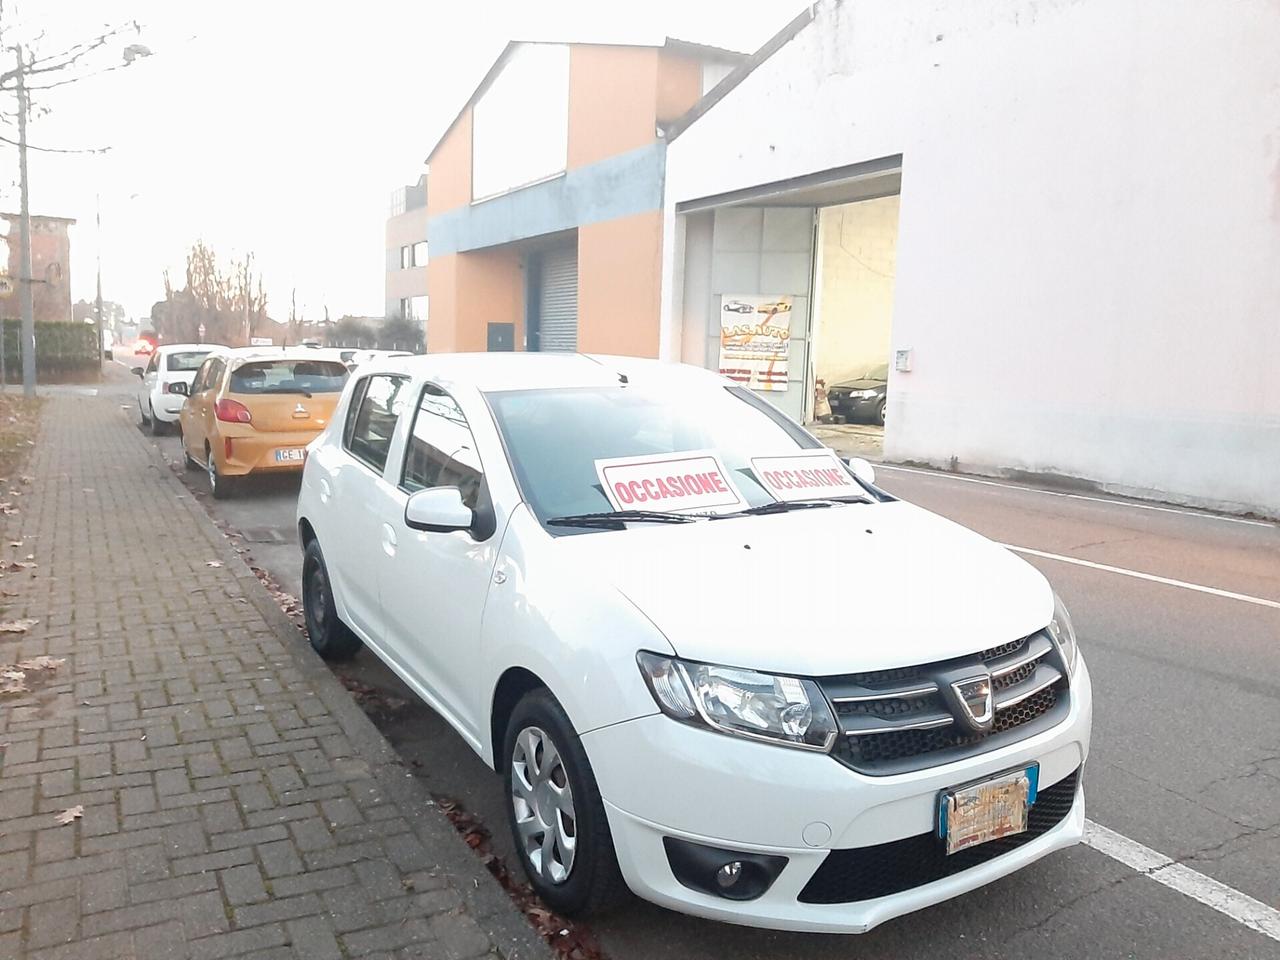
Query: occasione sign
x=689, y=480
x=812, y=475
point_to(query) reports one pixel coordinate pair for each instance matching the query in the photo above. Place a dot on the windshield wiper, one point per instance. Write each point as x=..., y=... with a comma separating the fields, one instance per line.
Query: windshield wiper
x=616, y=519
x=784, y=506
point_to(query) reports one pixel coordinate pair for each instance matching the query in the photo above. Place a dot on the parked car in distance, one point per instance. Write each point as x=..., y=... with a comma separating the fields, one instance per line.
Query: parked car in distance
x=159, y=404
x=864, y=397
x=600, y=571
x=255, y=409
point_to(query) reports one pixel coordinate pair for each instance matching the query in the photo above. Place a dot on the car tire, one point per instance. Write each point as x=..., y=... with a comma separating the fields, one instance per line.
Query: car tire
x=880, y=413
x=157, y=425
x=143, y=419
x=590, y=880
x=222, y=487
x=188, y=461
x=329, y=636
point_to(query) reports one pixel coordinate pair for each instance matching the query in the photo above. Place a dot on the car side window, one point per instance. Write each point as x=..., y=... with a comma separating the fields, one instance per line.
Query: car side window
x=201, y=378
x=376, y=407
x=441, y=451
x=154, y=365
x=212, y=374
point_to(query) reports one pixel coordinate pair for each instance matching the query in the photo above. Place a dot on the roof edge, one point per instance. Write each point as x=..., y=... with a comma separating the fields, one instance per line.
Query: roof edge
x=740, y=73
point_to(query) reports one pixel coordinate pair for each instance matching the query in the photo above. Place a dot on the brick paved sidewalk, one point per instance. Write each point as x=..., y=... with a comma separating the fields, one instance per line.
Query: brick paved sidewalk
x=235, y=799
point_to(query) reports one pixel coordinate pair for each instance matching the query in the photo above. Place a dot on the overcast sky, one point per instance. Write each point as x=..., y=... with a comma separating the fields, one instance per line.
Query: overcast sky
x=281, y=128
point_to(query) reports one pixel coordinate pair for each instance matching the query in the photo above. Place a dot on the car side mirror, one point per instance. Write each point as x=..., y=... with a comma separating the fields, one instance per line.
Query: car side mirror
x=862, y=469
x=138, y=371
x=180, y=388
x=438, y=510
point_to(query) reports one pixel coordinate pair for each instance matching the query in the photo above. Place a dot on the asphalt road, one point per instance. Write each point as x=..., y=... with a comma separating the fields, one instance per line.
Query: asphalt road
x=1186, y=748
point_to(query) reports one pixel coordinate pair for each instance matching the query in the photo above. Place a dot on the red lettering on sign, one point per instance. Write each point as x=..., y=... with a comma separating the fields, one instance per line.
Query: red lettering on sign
x=677, y=486
x=636, y=492
x=649, y=489
x=622, y=493
x=664, y=489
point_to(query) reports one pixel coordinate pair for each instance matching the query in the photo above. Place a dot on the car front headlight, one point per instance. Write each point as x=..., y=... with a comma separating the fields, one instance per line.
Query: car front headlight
x=1063, y=633
x=759, y=706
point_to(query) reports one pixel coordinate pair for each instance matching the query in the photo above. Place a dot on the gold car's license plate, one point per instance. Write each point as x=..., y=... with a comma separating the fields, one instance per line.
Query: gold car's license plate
x=987, y=810
x=291, y=454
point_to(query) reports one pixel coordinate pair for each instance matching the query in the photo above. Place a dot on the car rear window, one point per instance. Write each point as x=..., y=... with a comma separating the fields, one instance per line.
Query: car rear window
x=185, y=362
x=289, y=376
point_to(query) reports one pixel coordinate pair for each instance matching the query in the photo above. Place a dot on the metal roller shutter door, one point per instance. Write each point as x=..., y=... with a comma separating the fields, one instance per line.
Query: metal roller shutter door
x=558, y=306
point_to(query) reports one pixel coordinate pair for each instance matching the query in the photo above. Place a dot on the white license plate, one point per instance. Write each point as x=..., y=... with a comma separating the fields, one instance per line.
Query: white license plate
x=291, y=454
x=988, y=810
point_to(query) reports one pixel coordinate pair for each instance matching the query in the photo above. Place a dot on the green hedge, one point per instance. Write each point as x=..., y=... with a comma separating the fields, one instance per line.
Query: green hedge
x=60, y=348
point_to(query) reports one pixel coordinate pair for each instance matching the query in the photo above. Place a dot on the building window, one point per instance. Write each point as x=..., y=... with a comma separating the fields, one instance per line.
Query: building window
x=418, y=254
x=406, y=257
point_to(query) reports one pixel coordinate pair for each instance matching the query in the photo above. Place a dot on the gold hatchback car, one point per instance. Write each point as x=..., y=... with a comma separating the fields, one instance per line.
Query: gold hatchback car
x=255, y=409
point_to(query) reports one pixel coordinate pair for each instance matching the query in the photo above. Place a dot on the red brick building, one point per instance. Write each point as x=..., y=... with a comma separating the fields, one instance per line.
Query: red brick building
x=50, y=269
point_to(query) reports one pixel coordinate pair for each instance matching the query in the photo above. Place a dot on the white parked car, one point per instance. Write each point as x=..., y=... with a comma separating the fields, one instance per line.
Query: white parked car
x=628, y=586
x=158, y=404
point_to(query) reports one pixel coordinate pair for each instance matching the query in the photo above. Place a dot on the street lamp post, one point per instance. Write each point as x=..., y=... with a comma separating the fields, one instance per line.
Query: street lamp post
x=25, y=304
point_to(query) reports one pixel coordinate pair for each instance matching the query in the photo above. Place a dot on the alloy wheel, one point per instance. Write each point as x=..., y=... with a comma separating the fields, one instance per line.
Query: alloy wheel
x=543, y=803
x=316, y=597
x=212, y=470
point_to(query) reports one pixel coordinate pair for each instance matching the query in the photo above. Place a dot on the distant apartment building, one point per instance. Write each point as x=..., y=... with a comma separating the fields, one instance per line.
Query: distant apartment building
x=406, y=279
x=50, y=269
x=545, y=209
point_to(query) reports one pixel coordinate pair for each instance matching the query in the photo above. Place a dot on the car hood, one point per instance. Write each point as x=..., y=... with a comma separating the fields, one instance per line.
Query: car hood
x=860, y=385
x=824, y=591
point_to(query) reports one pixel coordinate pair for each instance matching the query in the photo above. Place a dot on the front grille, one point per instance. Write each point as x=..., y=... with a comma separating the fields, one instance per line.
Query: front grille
x=865, y=873
x=902, y=719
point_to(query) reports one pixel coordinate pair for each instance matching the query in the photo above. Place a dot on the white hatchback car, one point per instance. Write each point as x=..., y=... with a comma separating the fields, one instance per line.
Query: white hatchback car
x=713, y=663
x=158, y=404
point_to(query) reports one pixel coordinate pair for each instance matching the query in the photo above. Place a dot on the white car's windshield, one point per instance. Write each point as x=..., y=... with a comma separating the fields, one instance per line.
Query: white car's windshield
x=556, y=437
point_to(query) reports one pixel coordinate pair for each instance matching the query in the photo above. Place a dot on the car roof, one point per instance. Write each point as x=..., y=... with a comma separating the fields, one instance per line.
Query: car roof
x=187, y=347
x=490, y=372
x=244, y=354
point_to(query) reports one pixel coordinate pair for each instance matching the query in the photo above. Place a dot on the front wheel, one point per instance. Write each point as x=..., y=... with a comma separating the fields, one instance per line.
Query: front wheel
x=157, y=425
x=555, y=811
x=330, y=637
x=880, y=413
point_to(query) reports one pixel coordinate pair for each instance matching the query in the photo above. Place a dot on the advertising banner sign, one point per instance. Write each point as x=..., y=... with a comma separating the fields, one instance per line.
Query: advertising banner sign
x=688, y=480
x=755, y=340
x=811, y=475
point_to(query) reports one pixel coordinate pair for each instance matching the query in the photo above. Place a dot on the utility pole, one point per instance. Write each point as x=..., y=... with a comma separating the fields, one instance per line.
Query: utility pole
x=25, y=279
x=97, y=310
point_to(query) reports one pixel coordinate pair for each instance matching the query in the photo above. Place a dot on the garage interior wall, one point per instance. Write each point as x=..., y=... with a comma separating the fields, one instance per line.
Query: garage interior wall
x=764, y=251
x=854, y=305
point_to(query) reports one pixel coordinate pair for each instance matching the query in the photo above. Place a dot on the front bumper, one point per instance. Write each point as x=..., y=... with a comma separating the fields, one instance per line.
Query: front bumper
x=662, y=779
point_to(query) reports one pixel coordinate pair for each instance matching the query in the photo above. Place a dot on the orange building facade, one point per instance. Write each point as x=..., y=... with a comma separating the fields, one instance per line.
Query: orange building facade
x=545, y=208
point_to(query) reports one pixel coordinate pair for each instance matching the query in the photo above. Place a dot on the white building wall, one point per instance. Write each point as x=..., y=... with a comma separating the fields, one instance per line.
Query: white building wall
x=1089, y=238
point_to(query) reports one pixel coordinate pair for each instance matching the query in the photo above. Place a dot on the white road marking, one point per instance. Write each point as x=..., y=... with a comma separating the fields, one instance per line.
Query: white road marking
x=1075, y=496
x=1230, y=902
x=1199, y=588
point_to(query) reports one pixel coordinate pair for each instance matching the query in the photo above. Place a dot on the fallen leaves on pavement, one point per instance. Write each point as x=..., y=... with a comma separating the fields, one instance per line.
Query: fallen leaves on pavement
x=569, y=940
x=70, y=814
x=14, y=676
x=17, y=626
x=14, y=566
x=213, y=563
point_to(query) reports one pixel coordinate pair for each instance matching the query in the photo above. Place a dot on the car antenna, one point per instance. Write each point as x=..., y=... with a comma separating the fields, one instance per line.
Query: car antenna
x=622, y=379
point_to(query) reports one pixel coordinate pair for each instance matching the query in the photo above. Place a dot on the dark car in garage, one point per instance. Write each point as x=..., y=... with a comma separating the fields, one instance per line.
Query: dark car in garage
x=863, y=397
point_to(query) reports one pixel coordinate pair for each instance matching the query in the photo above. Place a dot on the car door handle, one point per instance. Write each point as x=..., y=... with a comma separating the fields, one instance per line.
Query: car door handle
x=388, y=540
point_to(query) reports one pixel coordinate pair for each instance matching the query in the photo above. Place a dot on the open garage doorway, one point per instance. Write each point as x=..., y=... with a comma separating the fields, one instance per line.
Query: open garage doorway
x=854, y=270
